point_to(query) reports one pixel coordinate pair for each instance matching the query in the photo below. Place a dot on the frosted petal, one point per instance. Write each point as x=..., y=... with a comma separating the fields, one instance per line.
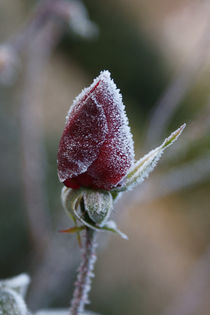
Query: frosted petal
x=117, y=152
x=82, y=138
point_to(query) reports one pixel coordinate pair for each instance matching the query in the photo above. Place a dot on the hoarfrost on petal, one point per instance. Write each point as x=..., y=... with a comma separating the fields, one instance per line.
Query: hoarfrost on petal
x=82, y=138
x=96, y=149
x=117, y=153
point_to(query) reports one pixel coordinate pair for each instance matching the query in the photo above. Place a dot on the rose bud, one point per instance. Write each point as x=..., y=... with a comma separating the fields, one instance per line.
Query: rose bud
x=96, y=157
x=96, y=148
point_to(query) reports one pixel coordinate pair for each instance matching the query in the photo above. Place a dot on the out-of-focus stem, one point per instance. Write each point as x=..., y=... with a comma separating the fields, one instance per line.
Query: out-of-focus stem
x=57, y=10
x=31, y=137
x=176, y=91
x=85, y=273
x=36, y=21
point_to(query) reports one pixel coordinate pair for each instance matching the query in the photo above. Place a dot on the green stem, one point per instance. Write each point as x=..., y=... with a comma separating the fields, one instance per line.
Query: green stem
x=85, y=273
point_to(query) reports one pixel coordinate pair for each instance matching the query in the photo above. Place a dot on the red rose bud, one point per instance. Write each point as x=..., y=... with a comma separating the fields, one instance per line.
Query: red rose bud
x=96, y=148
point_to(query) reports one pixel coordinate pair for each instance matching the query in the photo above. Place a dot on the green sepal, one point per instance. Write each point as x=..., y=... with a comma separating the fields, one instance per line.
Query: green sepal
x=91, y=208
x=115, y=194
x=143, y=167
x=71, y=199
x=112, y=227
x=98, y=205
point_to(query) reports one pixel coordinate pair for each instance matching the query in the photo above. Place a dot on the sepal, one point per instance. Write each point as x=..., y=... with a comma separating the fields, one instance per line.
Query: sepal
x=112, y=227
x=12, y=292
x=87, y=205
x=71, y=199
x=19, y=283
x=98, y=205
x=91, y=208
x=145, y=165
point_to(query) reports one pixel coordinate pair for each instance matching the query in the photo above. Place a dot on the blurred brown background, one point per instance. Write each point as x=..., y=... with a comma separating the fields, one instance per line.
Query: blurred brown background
x=158, y=54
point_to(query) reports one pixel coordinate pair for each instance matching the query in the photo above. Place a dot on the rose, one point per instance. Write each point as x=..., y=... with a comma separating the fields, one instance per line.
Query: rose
x=96, y=155
x=96, y=163
x=96, y=148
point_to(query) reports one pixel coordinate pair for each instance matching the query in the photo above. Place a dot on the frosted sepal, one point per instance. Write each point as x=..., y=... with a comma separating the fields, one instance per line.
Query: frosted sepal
x=71, y=199
x=19, y=283
x=145, y=165
x=91, y=208
x=98, y=205
x=11, y=303
x=112, y=227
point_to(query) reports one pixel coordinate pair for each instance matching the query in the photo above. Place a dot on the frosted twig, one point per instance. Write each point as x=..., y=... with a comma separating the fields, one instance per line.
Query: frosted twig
x=70, y=12
x=197, y=289
x=168, y=103
x=34, y=23
x=31, y=136
x=85, y=273
x=36, y=40
x=172, y=97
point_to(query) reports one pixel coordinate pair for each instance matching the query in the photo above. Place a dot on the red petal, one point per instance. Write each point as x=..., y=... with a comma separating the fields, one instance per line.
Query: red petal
x=82, y=139
x=117, y=153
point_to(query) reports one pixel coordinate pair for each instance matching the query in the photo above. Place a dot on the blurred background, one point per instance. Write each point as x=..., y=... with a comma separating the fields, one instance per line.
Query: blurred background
x=158, y=54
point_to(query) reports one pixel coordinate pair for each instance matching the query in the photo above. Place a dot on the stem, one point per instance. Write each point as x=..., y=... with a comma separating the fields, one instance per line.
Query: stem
x=85, y=273
x=37, y=54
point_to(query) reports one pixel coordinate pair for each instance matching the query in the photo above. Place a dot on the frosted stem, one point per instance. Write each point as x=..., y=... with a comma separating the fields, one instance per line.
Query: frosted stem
x=85, y=273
